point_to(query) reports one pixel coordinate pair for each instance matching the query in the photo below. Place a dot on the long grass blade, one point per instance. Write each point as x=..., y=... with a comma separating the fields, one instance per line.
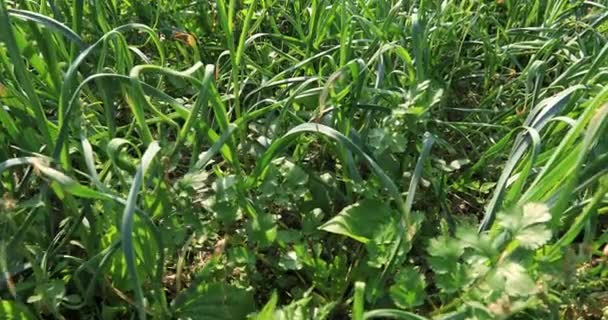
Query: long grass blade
x=127, y=226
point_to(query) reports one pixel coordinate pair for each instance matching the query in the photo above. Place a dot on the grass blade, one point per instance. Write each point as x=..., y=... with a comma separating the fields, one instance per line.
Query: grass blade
x=127, y=226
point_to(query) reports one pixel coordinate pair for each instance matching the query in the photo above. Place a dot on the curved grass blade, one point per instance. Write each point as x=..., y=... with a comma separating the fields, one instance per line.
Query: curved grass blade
x=49, y=23
x=68, y=87
x=196, y=109
x=502, y=183
x=550, y=171
x=127, y=225
x=392, y=314
x=592, y=136
x=204, y=157
x=138, y=101
x=537, y=120
x=153, y=92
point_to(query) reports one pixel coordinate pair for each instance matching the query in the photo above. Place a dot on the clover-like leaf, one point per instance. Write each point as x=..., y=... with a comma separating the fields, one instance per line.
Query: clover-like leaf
x=408, y=290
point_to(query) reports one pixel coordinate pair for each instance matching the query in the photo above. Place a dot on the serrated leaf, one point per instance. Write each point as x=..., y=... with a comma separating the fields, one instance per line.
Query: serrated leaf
x=467, y=234
x=533, y=237
x=511, y=220
x=454, y=280
x=408, y=290
x=518, y=282
x=379, y=248
x=444, y=246
x=534, y=213
x=479, y=242
x=360, y=221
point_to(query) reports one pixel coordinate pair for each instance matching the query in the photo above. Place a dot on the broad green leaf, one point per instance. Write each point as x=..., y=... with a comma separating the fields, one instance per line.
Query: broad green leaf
x=215, y=301
x=360, y=221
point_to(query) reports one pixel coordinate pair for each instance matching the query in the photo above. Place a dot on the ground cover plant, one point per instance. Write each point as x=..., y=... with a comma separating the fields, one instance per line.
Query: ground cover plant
x=303, y=159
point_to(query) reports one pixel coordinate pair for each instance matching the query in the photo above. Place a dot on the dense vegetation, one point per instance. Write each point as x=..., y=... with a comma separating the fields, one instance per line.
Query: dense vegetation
x=303, y=159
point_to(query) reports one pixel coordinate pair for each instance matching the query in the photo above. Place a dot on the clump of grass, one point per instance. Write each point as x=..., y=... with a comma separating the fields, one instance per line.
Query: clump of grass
x=303, y=159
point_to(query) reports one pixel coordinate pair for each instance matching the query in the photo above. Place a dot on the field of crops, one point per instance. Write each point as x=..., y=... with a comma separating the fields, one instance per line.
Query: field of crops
x=303, y=159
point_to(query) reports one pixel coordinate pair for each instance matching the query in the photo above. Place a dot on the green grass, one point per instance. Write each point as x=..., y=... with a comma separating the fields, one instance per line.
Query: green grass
x=305, y=159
